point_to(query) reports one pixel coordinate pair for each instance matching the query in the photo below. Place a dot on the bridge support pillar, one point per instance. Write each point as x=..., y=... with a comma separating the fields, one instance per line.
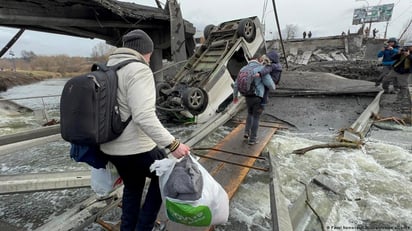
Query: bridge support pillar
x=157, y=64
x=177, y=32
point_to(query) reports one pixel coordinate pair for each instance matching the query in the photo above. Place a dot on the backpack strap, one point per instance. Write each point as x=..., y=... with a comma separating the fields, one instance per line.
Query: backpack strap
x=124, y=63
x=115, y=68
x=104, y=67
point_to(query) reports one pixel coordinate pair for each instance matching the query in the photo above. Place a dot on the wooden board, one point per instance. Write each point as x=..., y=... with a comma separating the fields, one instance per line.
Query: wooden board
x=228, y=175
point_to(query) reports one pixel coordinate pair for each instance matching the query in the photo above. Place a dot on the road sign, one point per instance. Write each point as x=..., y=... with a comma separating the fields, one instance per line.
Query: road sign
x=379, y=13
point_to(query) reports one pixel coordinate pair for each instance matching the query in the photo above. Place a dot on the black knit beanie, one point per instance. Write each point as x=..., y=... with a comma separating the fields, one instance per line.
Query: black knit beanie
x=139, y=41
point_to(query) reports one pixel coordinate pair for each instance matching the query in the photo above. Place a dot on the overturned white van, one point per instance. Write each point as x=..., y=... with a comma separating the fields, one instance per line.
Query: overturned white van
x=203, y=87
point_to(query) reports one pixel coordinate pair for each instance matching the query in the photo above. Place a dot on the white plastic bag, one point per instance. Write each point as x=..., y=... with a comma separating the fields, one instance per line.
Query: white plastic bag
x=212, y=208
x=104, y=180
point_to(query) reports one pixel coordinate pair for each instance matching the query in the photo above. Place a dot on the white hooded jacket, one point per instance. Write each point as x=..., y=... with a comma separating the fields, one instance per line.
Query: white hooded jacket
x=136, y=97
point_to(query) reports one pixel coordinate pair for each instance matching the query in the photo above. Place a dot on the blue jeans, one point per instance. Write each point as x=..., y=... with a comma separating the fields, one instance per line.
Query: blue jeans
x=134, y=169
x=254, y=110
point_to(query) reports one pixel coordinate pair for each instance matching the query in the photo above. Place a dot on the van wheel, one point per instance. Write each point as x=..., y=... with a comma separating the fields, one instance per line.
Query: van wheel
x=207, y=30
x=247, y=29
x=195, y=99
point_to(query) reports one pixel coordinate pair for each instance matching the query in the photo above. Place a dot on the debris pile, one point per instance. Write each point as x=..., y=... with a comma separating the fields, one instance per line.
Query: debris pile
x=319, y=55
x=358, y=69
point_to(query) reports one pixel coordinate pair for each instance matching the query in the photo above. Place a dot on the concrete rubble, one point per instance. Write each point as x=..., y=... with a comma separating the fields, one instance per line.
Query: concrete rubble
x=350, y=56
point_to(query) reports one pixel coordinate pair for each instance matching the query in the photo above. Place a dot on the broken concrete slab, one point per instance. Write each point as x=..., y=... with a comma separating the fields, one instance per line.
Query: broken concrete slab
x=339, y=56
x=323, y=57
x=304, y=58
x=323, y=83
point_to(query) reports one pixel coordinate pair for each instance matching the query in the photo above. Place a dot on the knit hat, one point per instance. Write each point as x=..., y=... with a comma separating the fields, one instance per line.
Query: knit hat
x=273, y=56
x=139, y=41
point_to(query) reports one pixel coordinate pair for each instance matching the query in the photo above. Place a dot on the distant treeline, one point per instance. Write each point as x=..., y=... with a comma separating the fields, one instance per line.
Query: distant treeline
x=63, y=64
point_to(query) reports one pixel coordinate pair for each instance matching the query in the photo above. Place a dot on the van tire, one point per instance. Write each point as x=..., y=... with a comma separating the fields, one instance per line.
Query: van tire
x=207, y=30
x=247, y=30
x=195, y=99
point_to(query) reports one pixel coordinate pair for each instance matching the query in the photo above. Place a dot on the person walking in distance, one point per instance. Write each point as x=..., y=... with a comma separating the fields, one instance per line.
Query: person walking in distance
x=374, y=32
x=253, y=95
x=310, y=34
x=304, y=34
x=137, y=147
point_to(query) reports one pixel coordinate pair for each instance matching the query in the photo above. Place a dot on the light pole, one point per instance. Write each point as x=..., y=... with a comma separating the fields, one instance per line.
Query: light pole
x=11, y=53
x=280, y=33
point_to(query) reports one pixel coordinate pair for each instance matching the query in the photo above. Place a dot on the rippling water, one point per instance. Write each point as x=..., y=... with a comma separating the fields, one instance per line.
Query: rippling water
x=50, y=105
x=376, y=181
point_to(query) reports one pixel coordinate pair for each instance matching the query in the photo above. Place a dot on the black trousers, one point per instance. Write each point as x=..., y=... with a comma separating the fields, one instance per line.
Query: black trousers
x=134, y=169
x=254, y=110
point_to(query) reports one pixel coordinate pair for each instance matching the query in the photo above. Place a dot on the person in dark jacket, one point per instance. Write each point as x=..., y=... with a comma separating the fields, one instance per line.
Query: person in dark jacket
x=374, y=32
x=272, y=67
x=402, y=69
x=390, y=49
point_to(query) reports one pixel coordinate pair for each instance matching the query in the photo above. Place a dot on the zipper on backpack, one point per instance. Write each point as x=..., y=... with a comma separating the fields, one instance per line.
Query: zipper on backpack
x=94, y=80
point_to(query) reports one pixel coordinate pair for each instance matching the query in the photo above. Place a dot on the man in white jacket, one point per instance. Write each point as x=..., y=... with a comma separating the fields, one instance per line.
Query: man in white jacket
x=137, y=147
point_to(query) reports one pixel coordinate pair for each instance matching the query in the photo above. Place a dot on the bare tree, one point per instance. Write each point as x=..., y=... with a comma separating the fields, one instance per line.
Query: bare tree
x=27, y=55
x=290, y=31
x=101, y=52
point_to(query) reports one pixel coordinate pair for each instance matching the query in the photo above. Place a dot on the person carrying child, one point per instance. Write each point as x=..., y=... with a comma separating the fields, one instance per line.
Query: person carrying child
x=273, y=67
x=252, y=89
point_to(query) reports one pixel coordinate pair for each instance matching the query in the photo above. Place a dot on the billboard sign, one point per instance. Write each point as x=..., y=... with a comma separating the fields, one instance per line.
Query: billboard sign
x=380, y=13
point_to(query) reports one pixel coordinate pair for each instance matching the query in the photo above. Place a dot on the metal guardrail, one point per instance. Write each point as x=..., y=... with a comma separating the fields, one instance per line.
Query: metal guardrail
x=44, y=108
x=35, y=182
x=31, y=97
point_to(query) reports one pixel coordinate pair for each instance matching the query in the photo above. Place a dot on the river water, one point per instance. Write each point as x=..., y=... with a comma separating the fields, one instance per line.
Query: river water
x=375, y=181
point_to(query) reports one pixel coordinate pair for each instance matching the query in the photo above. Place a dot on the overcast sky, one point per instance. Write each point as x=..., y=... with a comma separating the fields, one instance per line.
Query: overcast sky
x=322, y=17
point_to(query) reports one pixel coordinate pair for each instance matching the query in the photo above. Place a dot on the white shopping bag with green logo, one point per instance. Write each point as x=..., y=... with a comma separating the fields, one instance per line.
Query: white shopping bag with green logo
x=210, y=209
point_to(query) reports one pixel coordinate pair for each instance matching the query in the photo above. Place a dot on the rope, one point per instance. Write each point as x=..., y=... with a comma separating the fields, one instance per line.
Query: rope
x=233, y=163
x=228, y=152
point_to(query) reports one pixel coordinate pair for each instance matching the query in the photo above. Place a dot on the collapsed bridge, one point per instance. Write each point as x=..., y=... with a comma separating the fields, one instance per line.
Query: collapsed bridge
x=107, y=20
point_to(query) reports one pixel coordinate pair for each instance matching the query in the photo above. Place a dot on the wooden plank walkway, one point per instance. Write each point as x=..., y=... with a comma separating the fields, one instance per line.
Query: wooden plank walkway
x=230, y=176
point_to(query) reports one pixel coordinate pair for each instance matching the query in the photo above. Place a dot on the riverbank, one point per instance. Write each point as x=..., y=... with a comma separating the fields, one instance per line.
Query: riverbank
x=10, y=79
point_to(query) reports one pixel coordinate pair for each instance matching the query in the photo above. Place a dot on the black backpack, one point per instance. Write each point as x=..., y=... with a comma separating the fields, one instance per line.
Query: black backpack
x=89, y=111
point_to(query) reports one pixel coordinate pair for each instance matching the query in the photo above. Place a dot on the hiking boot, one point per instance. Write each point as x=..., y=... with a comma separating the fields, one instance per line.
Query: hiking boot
x=252, y=142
